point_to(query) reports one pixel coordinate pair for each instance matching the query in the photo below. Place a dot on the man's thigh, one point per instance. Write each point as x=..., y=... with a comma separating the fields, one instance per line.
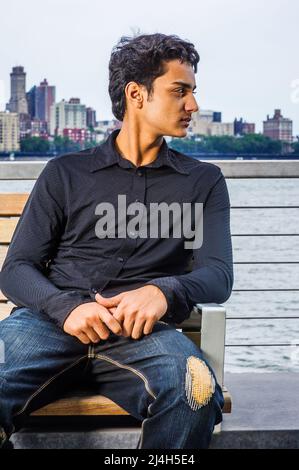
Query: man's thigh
x=39, y=360
x=134, y=372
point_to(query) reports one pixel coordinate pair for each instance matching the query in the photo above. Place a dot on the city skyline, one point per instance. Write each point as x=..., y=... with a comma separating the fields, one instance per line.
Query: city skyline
x=248, y=52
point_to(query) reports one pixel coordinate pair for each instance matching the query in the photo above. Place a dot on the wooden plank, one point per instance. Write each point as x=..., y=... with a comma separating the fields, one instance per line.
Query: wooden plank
x=2, y=297
x=194, y=336
x=95, y=405
x=12, y=203
x=3, y=252
x=7, y=228
x=5, y=309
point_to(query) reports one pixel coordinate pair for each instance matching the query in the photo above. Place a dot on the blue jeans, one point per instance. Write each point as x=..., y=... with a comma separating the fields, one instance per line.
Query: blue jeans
x=156, y=378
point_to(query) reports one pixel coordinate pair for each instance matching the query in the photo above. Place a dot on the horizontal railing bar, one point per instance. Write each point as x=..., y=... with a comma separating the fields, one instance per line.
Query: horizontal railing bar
x=261, y=318
x=265, y=234
x=266, y=262
x=262, y=344
x=265, y=290
x=251, y=169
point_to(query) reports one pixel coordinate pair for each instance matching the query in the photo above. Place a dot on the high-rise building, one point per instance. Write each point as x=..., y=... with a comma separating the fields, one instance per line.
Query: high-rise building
x=9, y=132
x=67, y=115
x=278, y=127
x=18, y=101
x=31, y=99
x=91, y=119
x=44, y=98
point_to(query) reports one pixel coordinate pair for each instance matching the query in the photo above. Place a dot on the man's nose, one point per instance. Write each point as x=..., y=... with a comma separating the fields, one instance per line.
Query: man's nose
x=191, y=105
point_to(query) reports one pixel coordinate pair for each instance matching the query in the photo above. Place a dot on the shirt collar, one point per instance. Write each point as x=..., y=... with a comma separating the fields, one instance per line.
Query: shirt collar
x=106, y=155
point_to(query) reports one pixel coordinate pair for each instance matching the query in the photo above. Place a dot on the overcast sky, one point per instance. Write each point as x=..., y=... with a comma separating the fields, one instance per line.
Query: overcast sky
x=249, y=50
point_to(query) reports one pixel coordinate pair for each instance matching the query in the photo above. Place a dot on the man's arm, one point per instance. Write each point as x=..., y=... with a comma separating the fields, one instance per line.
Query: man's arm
x=33, y=244
x=211, y=279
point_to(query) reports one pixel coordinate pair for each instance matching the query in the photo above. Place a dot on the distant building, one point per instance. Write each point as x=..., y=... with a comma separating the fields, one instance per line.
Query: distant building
x=91, y=119
x=31, y=102
x=18, y=101
x=242, y=127
x=9, y=132
x=25, y=125
x=105, y=127
x=77, y=135
x=278, y=127
x=207, y=122
x=67, y=115
x=44, y=98
x=39, y=129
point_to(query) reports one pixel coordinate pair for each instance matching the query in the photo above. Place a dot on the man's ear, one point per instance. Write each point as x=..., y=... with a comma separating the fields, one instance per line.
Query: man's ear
x=134, y=94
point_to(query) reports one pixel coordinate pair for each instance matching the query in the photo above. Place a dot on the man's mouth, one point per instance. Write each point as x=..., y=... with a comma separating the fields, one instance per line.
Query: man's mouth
x=186, y=121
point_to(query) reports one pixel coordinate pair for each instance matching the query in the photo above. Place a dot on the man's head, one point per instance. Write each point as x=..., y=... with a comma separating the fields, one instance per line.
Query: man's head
x=151, y=81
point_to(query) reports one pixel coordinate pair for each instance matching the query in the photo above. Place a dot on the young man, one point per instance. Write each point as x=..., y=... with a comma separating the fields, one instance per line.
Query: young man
x=105, y=308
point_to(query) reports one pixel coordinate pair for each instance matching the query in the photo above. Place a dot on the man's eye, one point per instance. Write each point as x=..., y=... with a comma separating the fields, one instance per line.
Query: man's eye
x=182, y=90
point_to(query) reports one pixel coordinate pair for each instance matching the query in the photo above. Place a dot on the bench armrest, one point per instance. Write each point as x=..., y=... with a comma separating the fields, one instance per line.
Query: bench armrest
x=213, y=321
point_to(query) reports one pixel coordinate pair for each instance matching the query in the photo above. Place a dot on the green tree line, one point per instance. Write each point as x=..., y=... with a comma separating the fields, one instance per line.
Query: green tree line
x=250, y=144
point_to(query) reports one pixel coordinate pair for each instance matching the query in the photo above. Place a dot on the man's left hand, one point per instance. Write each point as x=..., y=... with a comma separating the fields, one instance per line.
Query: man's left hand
x=136, y=310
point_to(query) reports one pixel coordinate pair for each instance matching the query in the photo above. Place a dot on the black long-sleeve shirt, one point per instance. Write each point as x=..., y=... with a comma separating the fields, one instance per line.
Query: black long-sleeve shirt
x=56, y=260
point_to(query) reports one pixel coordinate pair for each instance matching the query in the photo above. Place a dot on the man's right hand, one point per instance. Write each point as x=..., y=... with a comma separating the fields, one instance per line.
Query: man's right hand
x=91, y=322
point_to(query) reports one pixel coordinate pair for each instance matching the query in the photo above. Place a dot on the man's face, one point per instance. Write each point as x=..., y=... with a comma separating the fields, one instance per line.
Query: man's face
x=171, y=101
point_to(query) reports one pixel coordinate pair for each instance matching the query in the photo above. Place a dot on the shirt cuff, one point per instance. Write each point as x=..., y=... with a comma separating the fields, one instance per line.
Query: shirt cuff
x=179, y=308
x=60, y=307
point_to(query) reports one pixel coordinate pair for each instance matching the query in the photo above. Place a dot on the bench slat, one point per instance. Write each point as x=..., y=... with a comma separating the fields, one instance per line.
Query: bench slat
x=12, y=203
x=95, y=405
x=7, y=228
x=5, y=309
x=3, y=253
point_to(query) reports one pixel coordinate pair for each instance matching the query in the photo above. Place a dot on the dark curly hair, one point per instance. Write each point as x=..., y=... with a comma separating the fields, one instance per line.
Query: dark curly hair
x=142, y=59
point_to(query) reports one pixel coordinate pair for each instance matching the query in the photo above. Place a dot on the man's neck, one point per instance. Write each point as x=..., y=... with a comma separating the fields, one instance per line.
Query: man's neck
x=140, y=147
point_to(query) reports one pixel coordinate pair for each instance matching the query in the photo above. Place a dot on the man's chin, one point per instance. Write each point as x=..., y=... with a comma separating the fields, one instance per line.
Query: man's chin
x=178, y=133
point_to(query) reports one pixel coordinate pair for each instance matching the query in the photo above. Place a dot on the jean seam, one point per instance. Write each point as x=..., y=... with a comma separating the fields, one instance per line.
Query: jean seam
x=132, y=369
x=45, y=384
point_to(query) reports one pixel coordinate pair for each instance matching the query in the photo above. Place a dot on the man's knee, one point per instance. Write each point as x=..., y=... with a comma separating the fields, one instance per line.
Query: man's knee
x=199, y=383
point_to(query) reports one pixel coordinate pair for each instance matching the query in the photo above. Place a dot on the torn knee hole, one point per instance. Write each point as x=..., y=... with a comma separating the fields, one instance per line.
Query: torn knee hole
x=200, y=383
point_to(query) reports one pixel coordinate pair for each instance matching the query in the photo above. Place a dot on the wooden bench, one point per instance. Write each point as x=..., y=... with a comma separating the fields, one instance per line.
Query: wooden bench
x=206, y=327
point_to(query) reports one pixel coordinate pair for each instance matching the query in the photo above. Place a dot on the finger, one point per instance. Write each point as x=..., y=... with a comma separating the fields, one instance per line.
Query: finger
x=119, y=315
x=108, y=319
x=92, y=334
x=100, y=328
x=83, y=338
x=108, y=302
x=137, y=331
x=148, y=327
x=128, y=325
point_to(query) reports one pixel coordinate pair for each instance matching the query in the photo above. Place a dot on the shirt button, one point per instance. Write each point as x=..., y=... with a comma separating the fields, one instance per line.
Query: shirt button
x=94, y=290
x=139, y=173
x=120, y=259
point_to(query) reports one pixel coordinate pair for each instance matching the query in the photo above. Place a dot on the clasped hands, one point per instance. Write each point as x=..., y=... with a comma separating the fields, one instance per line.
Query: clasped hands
x=130, y=313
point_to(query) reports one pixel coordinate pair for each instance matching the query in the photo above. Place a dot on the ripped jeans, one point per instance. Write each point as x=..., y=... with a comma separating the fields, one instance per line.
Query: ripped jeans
x=161, y=379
